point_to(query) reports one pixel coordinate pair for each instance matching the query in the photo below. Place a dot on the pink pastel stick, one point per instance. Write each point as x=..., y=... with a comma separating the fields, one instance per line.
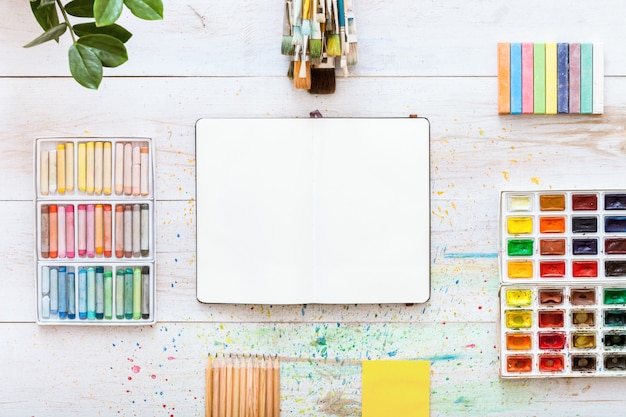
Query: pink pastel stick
x=69, y=230
x=62, y=246
x=527, y=78
x=82, y=230
x=91, y=228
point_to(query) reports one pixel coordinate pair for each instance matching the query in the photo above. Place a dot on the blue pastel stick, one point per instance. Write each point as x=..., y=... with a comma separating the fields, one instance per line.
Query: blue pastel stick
x=82, y=294
x=91, y=293
x=54, y=291
x=562, y=63
x=62, y=304
x=516, y=78
x=99, y=292
x=70, y=283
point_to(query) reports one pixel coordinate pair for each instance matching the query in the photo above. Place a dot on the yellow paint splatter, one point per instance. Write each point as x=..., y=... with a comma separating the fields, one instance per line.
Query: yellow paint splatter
x=505, y=174
x=440, y=192
x=535, y=180
x=481, y=132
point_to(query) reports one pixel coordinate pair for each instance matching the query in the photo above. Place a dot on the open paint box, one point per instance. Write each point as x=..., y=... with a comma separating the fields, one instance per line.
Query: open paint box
x=563, y=283
x=94, y=230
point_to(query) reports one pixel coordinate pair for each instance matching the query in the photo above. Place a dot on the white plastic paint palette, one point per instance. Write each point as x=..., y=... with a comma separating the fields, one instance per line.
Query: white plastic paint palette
x=563, y=284
x=94, y=229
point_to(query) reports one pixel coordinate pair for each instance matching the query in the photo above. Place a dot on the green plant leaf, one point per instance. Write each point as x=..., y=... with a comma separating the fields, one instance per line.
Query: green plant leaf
x=111, y=51
x=107, y=12
x=85, y=66
x=146, y=9
x=45, y=13
x=114, y=30
x=48, y=35
x=80, y=8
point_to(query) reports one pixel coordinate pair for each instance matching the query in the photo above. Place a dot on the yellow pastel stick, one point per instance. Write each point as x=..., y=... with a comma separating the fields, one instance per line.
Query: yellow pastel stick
x=61, y=168
x=99, y=155
x=69, y=166
x=91, y=169
x=107, y=168
x=82, y=167
x=551, y=78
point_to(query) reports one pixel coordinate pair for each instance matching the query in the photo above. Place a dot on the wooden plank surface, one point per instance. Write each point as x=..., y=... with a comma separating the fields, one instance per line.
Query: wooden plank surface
x=207, y=59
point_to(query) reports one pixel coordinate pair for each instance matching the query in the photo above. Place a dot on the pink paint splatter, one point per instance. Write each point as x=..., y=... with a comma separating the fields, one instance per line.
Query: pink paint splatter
x=470, y=345
x=170, y=358
x=136, y=369
x=153, y=376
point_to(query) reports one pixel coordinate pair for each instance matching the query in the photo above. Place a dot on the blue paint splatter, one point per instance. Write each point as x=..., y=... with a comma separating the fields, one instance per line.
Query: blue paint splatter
x=392, y=353
x=461, y=255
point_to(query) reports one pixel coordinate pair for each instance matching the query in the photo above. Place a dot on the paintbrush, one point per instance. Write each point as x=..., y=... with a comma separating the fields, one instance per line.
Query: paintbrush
x=315, y=44
x=286, y=47
x=303, y=79
x=352, y=55
x=333, y=42
x=343, y=63
x=323, y=77
x=296, y=34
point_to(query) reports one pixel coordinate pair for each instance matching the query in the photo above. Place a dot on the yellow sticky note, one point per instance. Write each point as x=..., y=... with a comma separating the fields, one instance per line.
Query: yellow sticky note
x=396, y=388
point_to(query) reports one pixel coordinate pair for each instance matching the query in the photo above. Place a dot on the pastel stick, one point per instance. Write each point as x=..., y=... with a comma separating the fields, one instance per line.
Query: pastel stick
x=586, y=78
x=527, y=78
x=562, y=52
x=516, y=78
x=539, y=75
x=551, y=78
x=598, y=78
x=574, y=78
x=504, y=78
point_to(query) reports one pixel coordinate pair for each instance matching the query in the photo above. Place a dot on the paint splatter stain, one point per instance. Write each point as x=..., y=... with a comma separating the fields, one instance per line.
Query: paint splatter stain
x=153, y=376
x=136, y=369
x=535, y=180
x=170, y=358
x=505, y=174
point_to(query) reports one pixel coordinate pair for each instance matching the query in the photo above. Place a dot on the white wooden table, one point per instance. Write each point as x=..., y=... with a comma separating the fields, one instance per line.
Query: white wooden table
x=211, y=59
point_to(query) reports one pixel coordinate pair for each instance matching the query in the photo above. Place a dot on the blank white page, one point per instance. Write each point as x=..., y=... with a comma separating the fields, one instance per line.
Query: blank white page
x=294, y=211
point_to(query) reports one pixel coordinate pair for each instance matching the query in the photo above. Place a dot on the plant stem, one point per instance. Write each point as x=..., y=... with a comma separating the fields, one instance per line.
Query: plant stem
x=67, y=20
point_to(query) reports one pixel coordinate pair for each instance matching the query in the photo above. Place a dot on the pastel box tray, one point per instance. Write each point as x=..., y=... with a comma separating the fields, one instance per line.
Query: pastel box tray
x=94, y=202
x=96, y=294
x=94, y=167
x=563, y=236
x=569, y=330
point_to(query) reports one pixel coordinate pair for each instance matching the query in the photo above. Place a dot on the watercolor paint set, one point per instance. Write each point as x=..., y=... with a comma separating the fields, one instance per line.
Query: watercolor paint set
x=550, y=78
x=94, y=230
x=563, y=283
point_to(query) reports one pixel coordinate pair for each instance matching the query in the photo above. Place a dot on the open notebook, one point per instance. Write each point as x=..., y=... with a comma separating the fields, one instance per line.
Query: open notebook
x=293, y=211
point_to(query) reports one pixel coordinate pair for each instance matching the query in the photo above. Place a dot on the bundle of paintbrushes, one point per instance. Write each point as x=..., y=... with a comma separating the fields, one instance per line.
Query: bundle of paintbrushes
x=246, y=386
x=319, y=36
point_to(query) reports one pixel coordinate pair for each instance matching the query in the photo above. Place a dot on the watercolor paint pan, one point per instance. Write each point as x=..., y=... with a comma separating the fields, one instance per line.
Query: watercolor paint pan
x=95, y=210
x=563, y=236
x=576, y=330
x=562, y=283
